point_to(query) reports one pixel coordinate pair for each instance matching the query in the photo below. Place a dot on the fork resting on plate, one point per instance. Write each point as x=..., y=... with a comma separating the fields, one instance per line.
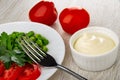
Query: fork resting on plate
x=42, y=58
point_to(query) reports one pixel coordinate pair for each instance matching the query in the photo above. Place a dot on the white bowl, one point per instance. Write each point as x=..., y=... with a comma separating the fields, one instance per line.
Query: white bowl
x=95, y=62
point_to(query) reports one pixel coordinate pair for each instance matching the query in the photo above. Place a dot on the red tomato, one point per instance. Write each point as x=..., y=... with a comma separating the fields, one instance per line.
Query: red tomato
x=73, y=19
x=2, y=68
x=1, y=78
x=13, y=72
x=43, y=12
x=31, y=72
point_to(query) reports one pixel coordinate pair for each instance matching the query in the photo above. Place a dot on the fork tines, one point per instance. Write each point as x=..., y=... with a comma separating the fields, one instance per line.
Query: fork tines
x=31, y=49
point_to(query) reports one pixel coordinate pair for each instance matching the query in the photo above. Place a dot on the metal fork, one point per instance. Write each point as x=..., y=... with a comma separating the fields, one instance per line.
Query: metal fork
x=42, y=58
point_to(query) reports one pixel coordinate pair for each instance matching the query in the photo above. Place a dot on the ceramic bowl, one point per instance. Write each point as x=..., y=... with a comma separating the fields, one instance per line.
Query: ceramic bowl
x=95, y=62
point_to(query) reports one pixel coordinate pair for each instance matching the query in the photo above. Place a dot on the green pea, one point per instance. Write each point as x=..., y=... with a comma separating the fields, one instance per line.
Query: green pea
x=30, y=33
x=13, y=36
x=44, y=48
x=33, y=38
x=21, y=34
x=39, y=42
x=16, y=33
x=45, y=41
x=38, y=36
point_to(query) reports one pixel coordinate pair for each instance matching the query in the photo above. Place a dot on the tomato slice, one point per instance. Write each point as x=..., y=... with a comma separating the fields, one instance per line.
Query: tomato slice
x=2, y=68
x=1, y=78
x=13, y=72
x=31, y=72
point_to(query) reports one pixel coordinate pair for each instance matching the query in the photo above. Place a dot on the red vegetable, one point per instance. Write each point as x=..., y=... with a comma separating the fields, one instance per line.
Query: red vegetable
x=43, y=12
x=12, y=73
x=1, y=78
x=31, y=72
x=73, y=19
x=15, y=72
x=2, y=68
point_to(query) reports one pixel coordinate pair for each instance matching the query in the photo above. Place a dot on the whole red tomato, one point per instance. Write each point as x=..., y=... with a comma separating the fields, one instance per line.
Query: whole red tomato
x=43, y=12
x=73, y=19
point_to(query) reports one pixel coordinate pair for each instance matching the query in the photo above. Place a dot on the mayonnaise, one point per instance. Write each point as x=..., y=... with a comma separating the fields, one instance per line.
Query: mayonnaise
x=93, y=43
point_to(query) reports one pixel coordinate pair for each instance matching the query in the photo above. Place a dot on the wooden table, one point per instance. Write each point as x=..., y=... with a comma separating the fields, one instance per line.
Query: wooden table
x=17, y=10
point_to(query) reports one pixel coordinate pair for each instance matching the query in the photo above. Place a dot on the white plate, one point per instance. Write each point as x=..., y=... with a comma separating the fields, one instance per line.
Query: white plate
x=56, y=46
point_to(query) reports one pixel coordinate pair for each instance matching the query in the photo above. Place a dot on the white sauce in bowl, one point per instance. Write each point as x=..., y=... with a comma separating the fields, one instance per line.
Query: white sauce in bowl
x=93, y=43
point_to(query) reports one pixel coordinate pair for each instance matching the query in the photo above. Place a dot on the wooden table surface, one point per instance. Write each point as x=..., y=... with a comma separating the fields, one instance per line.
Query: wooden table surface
x=104, y=13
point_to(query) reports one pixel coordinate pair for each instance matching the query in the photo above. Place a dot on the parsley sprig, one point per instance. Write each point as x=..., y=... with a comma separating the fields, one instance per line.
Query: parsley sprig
x=9, y=53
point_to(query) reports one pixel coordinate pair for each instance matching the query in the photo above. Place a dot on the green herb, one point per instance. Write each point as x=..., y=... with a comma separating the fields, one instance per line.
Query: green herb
x=11, y=52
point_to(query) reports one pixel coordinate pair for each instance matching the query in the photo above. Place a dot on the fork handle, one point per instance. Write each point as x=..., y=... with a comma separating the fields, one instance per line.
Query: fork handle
x=79, y=77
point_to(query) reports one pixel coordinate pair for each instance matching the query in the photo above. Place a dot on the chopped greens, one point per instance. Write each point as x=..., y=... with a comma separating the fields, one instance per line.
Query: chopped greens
x=11, y=51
